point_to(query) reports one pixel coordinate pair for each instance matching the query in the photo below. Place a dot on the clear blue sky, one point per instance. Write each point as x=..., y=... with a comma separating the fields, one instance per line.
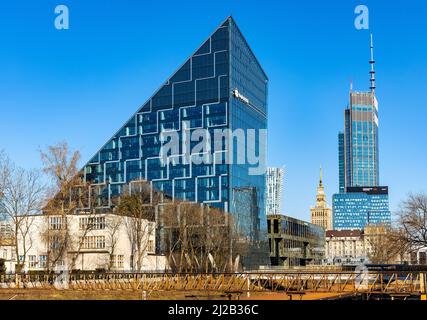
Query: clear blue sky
x=80, y=85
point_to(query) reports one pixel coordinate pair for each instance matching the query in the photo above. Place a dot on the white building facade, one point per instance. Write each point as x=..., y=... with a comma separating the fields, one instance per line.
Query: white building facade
x=274, y=188
x=94, y=242
x=354, y=247
x=345, y=247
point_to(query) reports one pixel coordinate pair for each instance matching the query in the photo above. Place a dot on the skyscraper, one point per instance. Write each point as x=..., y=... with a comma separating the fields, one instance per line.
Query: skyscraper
x=222, y=86
x=274, y=188
x=358, y=162
x=321, y=214
x=359, y=142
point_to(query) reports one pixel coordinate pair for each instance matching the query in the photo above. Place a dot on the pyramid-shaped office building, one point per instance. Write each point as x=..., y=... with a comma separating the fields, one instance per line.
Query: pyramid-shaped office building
x=221, y=86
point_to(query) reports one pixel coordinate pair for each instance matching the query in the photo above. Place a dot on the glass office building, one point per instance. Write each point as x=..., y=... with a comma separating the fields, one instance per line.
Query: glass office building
x=360, y=200
x=221, y=86
x=361, y=206
x=358, y=145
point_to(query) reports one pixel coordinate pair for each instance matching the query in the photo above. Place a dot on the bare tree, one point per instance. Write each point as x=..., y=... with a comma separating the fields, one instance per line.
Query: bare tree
x=87, y=223
x=56, y=237
x=60, y=164
x=3, y=169
x=384, y=245
x=113, y=225
x=197, y=238
x=22, y=197
x=138, y=207
x=67, y=243
x=412, y=222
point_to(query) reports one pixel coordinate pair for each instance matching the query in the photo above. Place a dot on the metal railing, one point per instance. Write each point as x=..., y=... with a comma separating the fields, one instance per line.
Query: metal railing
x=287, y=281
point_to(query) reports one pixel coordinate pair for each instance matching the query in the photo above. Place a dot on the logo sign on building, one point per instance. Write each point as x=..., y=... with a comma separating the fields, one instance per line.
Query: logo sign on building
x=239, y=96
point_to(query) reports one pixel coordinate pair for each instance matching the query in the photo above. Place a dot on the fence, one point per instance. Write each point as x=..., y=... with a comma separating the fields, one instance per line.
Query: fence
x=293, y=281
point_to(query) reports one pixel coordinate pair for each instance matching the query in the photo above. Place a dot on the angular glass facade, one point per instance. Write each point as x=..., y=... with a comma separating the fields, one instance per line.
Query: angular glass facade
x=248, y=77
x=361, y=206
x=197, y=96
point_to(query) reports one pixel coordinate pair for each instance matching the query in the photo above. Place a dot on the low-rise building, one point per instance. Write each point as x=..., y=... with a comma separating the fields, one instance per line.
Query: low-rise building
x=344, y=247
x=419, y=257
x=294, y=242
x=84, y=242
x=369, y=246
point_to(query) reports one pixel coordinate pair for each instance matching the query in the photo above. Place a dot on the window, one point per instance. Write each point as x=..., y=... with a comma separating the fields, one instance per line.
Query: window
x=55, y=223
x=93, y=242
x=42, y=260
x=5, y=230
x=54, y=242
x=100, y=242
x=117, y=261
x=150, y=246
x=92, y=223
x=275, y=226
x=32, y=263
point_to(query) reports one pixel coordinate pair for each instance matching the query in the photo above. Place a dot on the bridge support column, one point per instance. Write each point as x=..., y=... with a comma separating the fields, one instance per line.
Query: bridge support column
x=248, y=284
x=423, y=286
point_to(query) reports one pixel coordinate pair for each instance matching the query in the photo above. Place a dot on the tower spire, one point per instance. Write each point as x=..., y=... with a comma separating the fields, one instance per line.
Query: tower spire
x=372, y=63
x=321, y=197
x=321, y=176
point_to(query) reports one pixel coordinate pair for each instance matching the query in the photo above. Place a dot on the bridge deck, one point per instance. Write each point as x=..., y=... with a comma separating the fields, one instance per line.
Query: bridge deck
x=284, y=282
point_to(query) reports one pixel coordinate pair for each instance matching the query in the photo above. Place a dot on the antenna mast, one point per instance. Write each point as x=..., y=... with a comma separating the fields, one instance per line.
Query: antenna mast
x=372, y=63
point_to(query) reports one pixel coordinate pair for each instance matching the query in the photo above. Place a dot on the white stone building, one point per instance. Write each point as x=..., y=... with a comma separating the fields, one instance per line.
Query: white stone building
x=101, y=241
x=419, y=256
x=345, y=247
x=359, y=246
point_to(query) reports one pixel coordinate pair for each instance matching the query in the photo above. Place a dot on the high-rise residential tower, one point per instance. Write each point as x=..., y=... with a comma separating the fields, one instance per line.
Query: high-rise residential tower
x=274, y=188
x=321, y=214
x=354, y=206
x=222, y=86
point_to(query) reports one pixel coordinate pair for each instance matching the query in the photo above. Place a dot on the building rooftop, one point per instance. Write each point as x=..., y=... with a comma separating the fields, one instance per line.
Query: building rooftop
x=343, y=233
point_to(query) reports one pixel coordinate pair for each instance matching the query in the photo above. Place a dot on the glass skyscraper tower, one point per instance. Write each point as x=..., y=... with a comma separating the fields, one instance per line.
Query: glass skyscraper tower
x=358, y=145
x=359, y=142
x=360, y=201
x=221, y=86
